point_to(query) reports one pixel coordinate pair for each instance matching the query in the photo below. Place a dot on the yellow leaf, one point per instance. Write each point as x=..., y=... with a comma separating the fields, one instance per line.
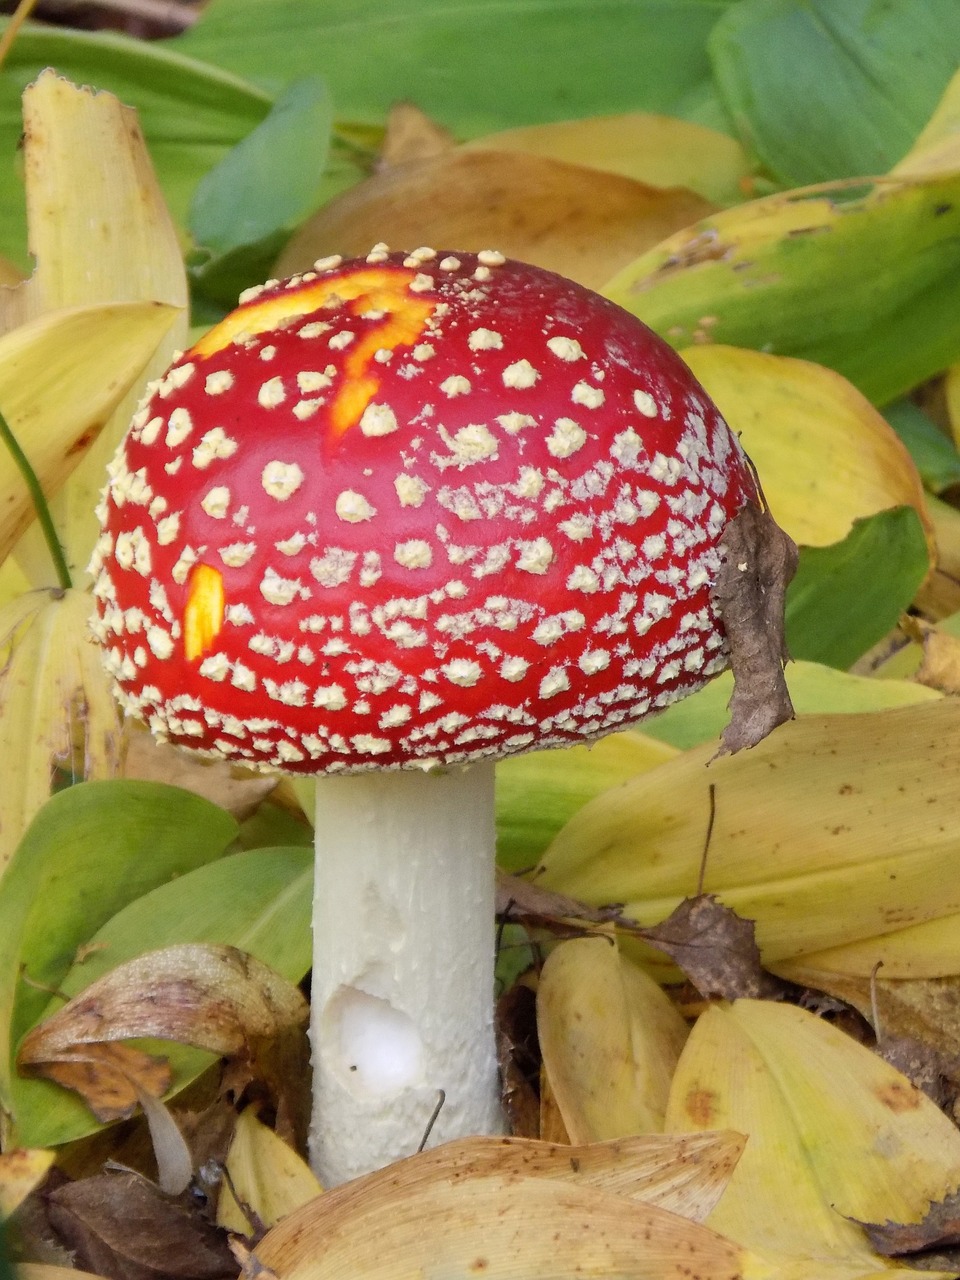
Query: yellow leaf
x=926, y=950
x=584, y=224
x=21, y=1171
x=832, y=830
x=937, y=149
x=266, y=1174
x=51, y=682
x=61, y=377
x=825, y=456
x=100, y=232
x=833, y=1132
x=506, y=1213
x=610, y=1040
x=659, y=150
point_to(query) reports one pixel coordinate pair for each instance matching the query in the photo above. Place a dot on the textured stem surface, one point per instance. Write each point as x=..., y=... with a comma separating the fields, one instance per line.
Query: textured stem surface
x=403, y=935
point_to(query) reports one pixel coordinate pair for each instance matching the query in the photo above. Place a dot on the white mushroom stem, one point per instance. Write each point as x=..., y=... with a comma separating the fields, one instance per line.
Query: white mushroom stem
x=403, y=938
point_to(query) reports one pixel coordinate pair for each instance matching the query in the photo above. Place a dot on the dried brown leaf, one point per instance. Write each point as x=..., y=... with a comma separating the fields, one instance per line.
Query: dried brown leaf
x=524, y=903
x=940, y=664
x=123, y=1227
x=580, y=222
x=715, y=948
x=518, y=1051
x=759, y=561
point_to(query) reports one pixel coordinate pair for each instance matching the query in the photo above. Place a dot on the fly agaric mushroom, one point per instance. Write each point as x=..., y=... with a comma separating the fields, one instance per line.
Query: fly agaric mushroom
x=392, y=520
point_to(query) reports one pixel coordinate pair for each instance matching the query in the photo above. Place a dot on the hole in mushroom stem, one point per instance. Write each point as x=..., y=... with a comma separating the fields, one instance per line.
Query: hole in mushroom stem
x=378, y=1049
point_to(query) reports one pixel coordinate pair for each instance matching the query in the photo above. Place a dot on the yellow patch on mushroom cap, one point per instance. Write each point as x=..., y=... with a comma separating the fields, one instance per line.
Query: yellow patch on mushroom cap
x=203, y=614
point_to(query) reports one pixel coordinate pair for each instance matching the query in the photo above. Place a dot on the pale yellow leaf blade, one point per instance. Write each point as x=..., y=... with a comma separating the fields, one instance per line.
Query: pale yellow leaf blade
x=52, y=680
x=811, y=828
x=266, y=1174
x=61, y=377
x=504, y=1224
x=659, y=150
x=824, y=455
x=610, y=1041
x=925, y=950
x=100, y=232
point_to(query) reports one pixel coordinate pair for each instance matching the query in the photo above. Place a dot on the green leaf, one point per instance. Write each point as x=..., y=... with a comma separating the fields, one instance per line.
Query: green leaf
x=822, y=90
x=539, y=791
x=934, y=454
x=846, y=597
x=800, y=274
x=271, y=179
x=245, y=207
x=259, y=901
x=477, y=65
x=90, y=851
x=814, y=689
x=192, y=114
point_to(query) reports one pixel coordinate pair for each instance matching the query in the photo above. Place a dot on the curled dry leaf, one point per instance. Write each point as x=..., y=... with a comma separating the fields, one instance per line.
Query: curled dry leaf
x=509, y=1207
x=759, y=560
x=212, y=997
x=518, y=1054
x=610, y=1040
x=581, y=223
x=111, y=1078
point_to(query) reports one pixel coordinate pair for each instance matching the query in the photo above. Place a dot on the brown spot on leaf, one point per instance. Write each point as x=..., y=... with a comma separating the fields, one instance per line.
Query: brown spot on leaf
x=700, y=1107
x=899, y=1096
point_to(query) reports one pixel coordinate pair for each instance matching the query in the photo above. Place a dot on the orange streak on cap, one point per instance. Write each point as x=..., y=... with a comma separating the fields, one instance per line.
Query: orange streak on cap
x=282, y=309
x=404, y=320
x=203, y=614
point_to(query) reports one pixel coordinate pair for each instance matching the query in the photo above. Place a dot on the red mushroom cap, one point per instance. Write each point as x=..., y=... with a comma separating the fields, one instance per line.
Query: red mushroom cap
x=408, y=511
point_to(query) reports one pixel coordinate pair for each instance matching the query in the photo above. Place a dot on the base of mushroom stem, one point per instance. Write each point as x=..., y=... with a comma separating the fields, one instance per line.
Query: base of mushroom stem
x=403, y=976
